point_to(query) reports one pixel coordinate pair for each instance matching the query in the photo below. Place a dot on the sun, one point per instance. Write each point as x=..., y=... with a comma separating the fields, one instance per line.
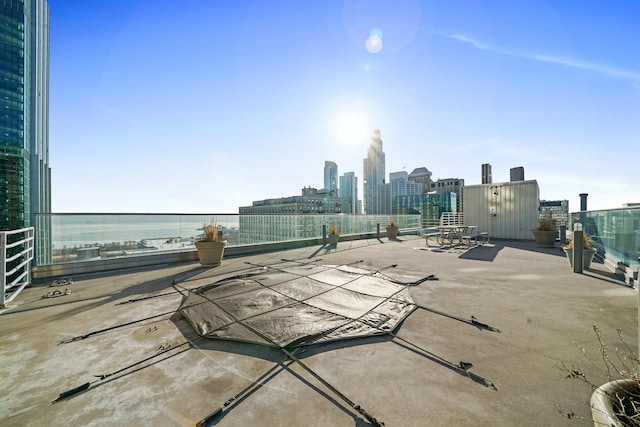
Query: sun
x=350, y=126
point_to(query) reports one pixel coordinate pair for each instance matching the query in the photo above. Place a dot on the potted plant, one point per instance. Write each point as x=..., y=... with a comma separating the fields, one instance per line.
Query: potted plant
x=392, y=229
x=333, y=234
x=546, y=233
x=211, y=245
x=587, y=253
x=615, y=403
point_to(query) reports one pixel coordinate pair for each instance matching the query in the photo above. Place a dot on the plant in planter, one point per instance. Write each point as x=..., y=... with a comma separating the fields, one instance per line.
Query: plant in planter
x=211, y=245
x=615, y=403
x=334, y=235
x=587, y=253
x=392, y=229
x=546, y=233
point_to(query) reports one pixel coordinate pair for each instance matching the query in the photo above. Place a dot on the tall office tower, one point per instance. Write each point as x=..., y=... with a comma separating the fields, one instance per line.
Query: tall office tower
x=25, y=175
x=421, y=176
x=517, y=174
x=373, y=176
x=349, y=193
x=486, y=173
x=331, y=177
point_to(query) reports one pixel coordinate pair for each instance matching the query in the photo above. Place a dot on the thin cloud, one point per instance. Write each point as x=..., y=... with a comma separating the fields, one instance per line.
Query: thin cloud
x=567, y=62
x=468, y=40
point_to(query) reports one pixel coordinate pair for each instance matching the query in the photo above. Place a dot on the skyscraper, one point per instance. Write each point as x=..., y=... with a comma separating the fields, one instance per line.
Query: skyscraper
x=331, y=177
x=398, y=185
x=423, y=176
x=486, y=173
x=349, y=193
x=373, y=168
x=516, y=174
x=25, y=175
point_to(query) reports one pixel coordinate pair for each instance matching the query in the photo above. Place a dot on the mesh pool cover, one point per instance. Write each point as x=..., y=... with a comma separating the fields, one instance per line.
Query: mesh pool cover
x=298, y=305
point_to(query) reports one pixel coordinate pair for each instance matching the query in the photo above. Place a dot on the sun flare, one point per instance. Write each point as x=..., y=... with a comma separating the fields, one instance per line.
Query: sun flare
x=351, y=126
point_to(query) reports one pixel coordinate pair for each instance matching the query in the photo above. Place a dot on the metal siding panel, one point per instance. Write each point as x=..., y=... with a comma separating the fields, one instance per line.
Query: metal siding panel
x=516, y=209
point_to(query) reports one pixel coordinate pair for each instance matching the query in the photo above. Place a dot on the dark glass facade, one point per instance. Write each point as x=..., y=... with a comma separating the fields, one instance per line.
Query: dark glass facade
x=25, y=177
x=450, y=185
x=428, y=206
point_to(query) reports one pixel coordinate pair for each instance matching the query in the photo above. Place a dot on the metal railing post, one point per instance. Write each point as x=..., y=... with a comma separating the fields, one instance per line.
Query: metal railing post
x=578, y=247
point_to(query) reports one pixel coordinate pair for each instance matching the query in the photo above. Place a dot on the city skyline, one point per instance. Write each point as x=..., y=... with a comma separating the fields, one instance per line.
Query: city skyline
x=203, y=107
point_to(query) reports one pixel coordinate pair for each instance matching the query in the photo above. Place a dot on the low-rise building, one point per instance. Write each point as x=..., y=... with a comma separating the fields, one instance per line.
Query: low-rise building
x=312, y=201
x=556, y=210
x=285, y=218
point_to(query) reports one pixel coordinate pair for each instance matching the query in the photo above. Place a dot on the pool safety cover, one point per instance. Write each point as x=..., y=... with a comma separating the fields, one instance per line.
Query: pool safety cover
x=297, y=305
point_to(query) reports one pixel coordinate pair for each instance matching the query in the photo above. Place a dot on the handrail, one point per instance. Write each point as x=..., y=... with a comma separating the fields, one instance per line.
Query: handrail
x=14, y=278
x=452, y=218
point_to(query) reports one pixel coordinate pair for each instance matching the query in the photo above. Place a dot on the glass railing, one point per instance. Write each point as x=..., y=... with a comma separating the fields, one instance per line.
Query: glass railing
x=614, y=232
x=85, y=237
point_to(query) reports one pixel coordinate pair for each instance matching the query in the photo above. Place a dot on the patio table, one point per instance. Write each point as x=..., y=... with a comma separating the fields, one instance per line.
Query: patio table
x=453, y=233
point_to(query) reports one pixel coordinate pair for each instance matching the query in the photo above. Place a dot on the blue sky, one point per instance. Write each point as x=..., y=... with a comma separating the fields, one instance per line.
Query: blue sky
x=204, y=106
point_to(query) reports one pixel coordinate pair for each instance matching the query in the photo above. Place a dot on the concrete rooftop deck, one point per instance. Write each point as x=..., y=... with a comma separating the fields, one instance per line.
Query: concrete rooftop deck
x=545, y=314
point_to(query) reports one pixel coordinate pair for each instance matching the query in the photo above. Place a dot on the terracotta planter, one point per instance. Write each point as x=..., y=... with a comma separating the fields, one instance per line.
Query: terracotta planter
x=392, y=232
x=545, y=238
x=587, y=256
x=210, y=253
x=605, y=402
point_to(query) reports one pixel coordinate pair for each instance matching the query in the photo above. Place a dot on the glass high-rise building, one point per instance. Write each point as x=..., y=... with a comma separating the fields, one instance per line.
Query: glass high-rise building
x=450, y=185
x=398, y=185
x=349, y=193
x=373, y=176
x=25, y=175
x=428, y=206
x=331, y=177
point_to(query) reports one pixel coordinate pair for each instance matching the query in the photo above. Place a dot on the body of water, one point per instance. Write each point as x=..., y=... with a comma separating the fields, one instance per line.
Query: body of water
x=81, y=230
